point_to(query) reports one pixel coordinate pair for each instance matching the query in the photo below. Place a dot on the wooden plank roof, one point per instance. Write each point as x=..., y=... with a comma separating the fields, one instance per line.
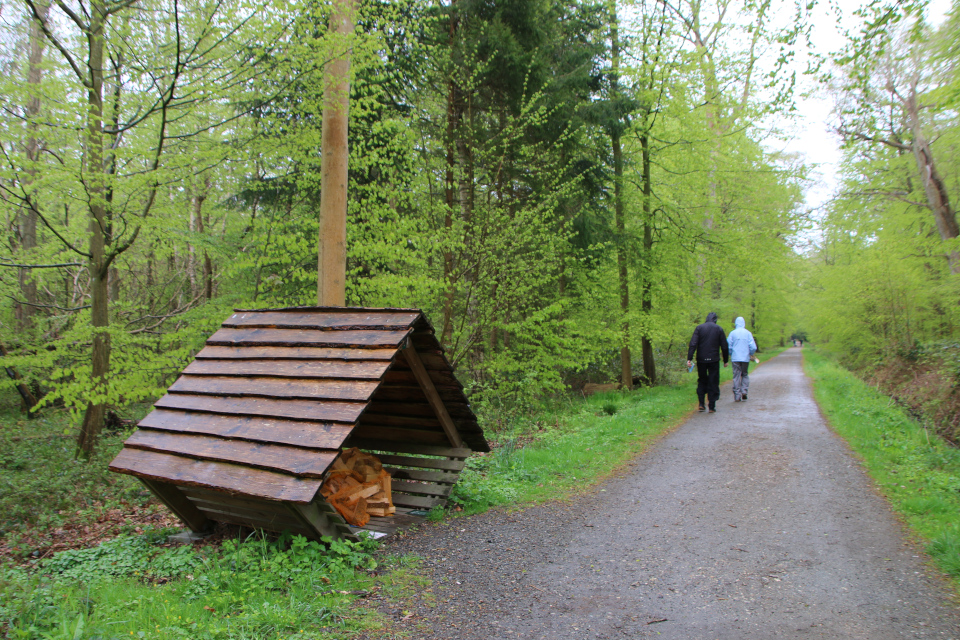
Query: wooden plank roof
x=266, y=405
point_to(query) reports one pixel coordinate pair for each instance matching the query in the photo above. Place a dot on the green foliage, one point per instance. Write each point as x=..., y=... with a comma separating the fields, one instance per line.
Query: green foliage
x=480, y=188
x=124, y=556
x=39, y=476
x=129, y=587
x=884, y=275
x=917, y=472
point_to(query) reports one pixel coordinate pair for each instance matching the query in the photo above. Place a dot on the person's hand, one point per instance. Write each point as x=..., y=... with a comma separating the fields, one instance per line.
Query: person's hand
x=725, y=364
x=689, y=363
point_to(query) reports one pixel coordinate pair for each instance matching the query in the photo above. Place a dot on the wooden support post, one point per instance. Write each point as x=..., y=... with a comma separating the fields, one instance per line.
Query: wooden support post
x=170, y=495
x=317, y=517
x=420, y=373
x=334, y=160
x=313, y=519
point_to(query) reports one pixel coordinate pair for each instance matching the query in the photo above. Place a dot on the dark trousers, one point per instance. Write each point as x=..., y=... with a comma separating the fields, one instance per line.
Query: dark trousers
x=708, y=382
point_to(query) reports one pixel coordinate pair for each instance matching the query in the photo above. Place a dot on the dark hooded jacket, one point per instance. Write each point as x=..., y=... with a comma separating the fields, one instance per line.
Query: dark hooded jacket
x=708, y=340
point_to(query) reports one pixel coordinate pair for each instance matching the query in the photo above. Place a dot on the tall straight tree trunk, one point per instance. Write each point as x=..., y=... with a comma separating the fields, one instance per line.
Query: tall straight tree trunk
x=626, y=366
x=649, y=363
x=201, y=227
x=332, y=253
x=28, y=216
x=454, y=115
x=98, y=265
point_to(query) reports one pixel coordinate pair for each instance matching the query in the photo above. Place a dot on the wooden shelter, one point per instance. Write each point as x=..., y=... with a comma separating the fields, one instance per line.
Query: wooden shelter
x=247, y=432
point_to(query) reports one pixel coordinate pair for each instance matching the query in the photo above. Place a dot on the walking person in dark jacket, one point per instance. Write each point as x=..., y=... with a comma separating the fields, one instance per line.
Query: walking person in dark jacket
x=708, y=341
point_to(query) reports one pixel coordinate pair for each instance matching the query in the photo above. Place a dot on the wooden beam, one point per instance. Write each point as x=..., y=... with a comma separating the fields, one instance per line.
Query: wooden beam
x=170, y=495
x=420, y=372
x=316, y=520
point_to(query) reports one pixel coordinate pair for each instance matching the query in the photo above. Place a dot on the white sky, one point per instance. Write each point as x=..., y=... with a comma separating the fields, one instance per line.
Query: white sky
x=812, y=137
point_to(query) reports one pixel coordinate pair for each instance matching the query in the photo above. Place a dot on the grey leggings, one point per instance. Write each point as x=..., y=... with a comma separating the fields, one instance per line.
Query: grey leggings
x=741, y=381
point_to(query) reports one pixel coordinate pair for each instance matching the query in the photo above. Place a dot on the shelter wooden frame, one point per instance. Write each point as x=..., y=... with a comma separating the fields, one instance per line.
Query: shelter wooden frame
x=249, y=430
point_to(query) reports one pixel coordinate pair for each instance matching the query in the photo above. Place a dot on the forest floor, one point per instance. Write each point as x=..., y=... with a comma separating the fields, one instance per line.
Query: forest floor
x=754, y=522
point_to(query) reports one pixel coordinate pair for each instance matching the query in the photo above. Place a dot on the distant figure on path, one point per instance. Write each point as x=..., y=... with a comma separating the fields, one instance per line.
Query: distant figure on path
x=742, y=348
x=707, y=341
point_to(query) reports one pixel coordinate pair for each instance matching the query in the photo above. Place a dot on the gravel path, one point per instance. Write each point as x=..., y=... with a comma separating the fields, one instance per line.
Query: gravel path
x=754, y=522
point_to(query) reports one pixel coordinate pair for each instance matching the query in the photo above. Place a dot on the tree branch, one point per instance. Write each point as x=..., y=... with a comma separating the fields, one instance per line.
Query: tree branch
x=56, y=43
x=47, y=306
x=39, y=266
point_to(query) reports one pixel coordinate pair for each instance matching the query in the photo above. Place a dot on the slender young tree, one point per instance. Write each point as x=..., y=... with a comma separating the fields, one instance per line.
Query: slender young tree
x=617, y=125
x=154, y=102
x=28, y=217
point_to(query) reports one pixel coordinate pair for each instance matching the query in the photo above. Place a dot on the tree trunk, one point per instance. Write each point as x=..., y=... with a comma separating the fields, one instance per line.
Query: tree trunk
x=29, y=400
x=454, y=114
x=332, y=254
x=28, y=216
x=649, y=363
x=97, y=264
x=937, y=196
x=626, y=366
x=191, y=251
x=202, y=227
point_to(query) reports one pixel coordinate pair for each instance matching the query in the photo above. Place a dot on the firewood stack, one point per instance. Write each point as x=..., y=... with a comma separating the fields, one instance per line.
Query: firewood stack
x=358, y=487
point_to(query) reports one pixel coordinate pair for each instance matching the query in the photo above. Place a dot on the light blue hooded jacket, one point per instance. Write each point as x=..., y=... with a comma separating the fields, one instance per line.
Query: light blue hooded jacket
x=742, y=344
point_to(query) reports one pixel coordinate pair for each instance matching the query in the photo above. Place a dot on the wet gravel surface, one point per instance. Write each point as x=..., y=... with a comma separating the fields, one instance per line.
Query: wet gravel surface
x=754, y=522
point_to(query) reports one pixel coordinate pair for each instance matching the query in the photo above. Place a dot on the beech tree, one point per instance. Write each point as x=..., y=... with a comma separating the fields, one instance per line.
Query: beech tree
x=888, y=94
x=139, y=103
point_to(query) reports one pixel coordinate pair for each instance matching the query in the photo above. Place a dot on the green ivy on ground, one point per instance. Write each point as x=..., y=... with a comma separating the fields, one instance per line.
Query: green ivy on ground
x=255, y=589
x=917, y=472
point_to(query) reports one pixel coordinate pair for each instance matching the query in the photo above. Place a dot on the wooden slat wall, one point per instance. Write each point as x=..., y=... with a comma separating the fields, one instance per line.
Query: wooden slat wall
x=423, y=474
x=260, y=414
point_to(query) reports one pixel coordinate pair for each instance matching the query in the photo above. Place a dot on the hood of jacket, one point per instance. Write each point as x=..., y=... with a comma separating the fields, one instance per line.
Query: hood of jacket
x=711, y=317
x=740, y=323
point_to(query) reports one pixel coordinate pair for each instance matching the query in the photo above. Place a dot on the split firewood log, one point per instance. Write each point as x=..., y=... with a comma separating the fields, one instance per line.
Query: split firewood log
x=352, y=481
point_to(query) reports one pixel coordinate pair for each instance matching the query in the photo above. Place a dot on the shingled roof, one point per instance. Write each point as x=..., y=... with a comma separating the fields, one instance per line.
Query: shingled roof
x=262, y=412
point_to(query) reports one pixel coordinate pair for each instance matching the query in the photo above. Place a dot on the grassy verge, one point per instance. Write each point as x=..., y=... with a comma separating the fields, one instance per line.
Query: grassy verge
x=917, y=472
x=574, y=445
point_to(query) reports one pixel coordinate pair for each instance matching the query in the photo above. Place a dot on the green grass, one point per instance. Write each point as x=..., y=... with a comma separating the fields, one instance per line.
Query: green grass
x=575, y=445
x=130, y=588
x=917, y=472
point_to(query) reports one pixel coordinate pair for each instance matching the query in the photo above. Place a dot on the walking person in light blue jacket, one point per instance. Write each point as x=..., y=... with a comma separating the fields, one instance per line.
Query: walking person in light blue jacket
x=742, y=347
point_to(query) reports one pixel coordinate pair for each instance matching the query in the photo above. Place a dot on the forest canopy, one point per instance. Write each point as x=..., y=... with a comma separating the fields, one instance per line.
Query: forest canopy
x=565, y=188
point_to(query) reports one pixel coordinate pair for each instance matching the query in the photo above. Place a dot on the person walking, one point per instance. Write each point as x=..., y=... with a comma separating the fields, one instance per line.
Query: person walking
x=742, y=347
x=707, y=342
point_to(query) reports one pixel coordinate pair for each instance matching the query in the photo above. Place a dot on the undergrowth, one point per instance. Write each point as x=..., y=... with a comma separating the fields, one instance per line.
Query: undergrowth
x=39, y=476
x=917, y=472
x=255, y=589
